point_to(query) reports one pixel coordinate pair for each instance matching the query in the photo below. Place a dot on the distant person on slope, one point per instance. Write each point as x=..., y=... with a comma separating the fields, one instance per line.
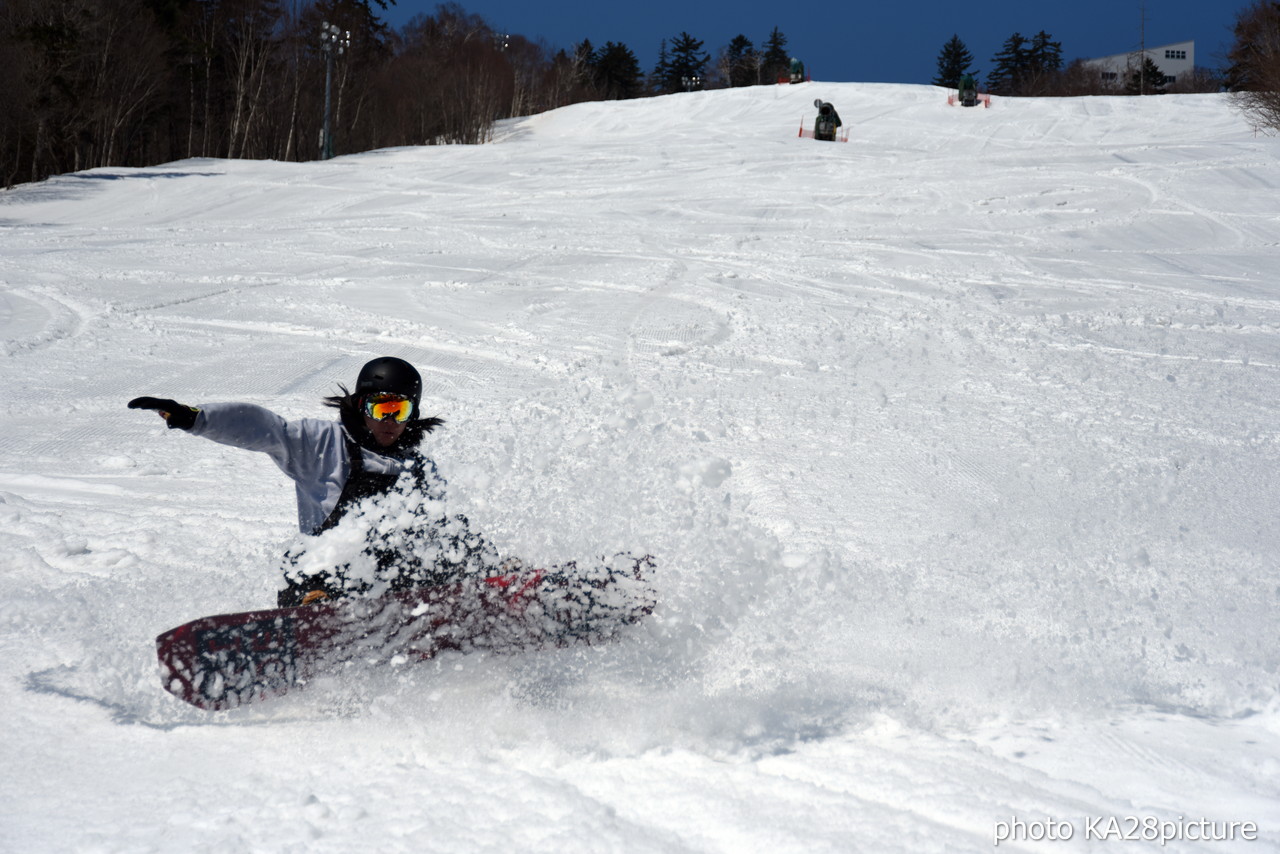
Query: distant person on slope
x=797, y=70
x=824, y=126
x=367, y=461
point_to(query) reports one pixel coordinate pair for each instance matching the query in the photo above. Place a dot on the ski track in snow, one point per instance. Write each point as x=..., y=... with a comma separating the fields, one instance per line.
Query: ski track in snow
x=956, y=445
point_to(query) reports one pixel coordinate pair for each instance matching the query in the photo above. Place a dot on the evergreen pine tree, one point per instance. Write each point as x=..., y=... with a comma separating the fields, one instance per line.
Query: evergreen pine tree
x=741, y=62
x=661, y=71
x=1145, y=79
x=776, y=61
x=1026, y=67
x=954, y=61
x=1010, y=67
x=687, y=62
x=1043, y=65
x=617, y=72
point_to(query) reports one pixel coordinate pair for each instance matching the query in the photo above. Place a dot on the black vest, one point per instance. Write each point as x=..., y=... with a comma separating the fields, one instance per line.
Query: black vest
x=360, y=484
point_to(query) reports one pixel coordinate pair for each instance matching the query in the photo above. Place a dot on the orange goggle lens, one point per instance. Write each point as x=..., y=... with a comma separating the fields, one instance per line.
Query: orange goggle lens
x=380, y=407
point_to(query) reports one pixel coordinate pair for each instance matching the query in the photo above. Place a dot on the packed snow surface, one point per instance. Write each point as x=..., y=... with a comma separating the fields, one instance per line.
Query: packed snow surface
x=957, y=447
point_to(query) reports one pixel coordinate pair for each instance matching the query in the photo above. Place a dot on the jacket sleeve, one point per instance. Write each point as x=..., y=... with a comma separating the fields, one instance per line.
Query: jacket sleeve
x=310, y=451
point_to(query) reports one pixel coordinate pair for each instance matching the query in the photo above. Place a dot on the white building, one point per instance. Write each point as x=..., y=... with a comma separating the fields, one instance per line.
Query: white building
x=1174, y=60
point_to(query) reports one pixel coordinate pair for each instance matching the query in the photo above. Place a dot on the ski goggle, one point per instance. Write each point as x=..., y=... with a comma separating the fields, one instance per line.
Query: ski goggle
x=380, y=407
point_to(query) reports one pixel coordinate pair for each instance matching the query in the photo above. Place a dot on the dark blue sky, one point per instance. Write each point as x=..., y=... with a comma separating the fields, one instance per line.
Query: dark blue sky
x=886, y=41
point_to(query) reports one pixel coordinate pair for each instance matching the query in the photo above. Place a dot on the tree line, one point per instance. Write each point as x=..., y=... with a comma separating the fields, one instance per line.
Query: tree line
x=135, y=82
x=1034, y=67
x=93, y=83
x=613, y=71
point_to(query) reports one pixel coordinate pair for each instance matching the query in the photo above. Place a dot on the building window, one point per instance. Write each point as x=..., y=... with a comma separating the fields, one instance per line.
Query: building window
x=1175, y=54
x=1109, y=75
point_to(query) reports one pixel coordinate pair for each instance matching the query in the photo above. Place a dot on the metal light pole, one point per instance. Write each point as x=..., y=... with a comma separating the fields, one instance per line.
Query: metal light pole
x=331, y=39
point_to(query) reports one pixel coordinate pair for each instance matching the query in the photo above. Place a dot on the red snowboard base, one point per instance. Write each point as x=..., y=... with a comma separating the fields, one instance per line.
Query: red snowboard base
x=226, y=661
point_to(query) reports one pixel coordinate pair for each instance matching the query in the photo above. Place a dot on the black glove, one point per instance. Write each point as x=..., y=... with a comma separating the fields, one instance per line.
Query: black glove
x=175, y=414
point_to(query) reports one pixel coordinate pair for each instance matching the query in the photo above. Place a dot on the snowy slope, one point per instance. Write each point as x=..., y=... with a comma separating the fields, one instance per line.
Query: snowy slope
x=957, y=445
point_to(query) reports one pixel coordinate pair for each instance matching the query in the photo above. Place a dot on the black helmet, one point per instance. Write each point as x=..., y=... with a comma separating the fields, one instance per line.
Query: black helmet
x=393, y=375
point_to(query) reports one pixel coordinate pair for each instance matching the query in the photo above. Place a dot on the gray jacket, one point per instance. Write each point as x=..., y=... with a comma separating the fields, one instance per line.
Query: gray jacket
x=311, y=451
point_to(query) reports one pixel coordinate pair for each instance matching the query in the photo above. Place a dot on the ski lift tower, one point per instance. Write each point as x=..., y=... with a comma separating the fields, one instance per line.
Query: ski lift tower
x=331, y=39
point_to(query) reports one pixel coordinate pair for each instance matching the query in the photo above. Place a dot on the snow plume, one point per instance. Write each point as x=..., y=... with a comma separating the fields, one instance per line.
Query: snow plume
x=1029, y=588
x=405, y=537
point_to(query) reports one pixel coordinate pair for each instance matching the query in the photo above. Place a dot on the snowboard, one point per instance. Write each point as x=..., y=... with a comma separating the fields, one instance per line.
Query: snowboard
x=225, y=661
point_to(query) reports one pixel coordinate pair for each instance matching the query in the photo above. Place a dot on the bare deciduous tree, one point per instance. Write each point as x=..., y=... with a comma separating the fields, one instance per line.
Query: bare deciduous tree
x=1198, y=81
x=126, y=69
x=135, y=82
x=82, y=80
x=248, y=27
x=1254, y=72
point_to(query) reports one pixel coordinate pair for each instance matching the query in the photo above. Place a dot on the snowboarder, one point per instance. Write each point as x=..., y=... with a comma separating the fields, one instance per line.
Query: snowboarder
x=967, y=91
x=370, y=454
x=824, y=126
